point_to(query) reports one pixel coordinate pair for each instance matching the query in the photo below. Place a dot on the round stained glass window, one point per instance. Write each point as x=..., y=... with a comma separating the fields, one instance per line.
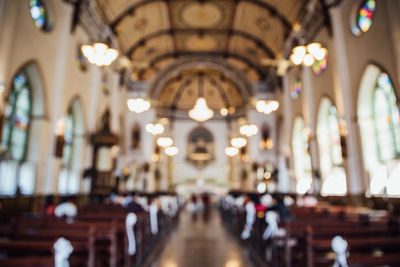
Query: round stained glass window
x=296, y=89
x=39, y=14
x=320, y=66
x=364, y=17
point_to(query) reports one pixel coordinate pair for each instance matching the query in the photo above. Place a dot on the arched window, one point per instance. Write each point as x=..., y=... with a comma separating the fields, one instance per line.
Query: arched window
x=301, y=157
x=69, y=178
x=330, y=150
x=17, y=119
x=379, y=121
x=14, y=138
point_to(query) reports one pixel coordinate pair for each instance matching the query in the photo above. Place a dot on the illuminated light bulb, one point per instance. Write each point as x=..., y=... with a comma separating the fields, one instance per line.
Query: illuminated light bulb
x=231, y=151
x=296, y=59
x=308, y=60
x=165, y=141
x=238, y=142
x=313, y=48
x=171, y=151
x=100, y=48
x=261, y=106
x=231, y=110
x=138, y=105
x=200, y=111
x=299, y=50
x=274, y=105
x=320, y=54
x=224, y=111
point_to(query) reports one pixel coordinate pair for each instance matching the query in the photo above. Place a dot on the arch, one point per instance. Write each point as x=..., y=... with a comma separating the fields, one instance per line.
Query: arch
x=74, y=129
x=379, y=121
x=18, y=169
x=330, y=151
x=232, y=75
x=301, y=156
x=254, y=66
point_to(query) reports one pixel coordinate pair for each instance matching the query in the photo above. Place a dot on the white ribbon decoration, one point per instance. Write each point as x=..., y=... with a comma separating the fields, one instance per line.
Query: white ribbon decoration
x=339, y=246
x=271, y=218
x=131, y=220
x=66, y=209
x=153, y=218
x=250, y=218
x=63, y=250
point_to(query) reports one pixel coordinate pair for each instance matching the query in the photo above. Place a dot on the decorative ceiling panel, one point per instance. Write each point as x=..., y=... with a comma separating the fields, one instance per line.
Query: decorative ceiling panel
x=152, y=48
x=250, y=50
x=259, y=22
x=194, y=14
x=147, y=19
x=201, y=42
x=112, y=8
x=289, y=8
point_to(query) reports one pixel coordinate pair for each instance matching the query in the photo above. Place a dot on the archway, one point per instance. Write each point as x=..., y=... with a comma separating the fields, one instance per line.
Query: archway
x=379, y=122
x=330, y=151
x=72, y=154
x=25, y=107
x=301, y=157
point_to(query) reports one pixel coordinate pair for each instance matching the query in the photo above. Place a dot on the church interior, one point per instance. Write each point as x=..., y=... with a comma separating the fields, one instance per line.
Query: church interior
x=185, y=133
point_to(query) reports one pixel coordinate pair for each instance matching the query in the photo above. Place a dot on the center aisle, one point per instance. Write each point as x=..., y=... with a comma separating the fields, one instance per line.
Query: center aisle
x=201, y=241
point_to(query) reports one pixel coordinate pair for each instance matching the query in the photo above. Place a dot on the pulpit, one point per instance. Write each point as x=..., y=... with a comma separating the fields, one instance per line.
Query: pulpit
x=103, y=163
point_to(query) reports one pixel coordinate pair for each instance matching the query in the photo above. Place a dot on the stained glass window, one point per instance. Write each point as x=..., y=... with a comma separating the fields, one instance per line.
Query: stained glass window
x=39, y=14
x=17, y=119
x=364, y=17
x=296, y=89
x=82, y=61
x=386, y=118
x=68, y=139
x=320, y=66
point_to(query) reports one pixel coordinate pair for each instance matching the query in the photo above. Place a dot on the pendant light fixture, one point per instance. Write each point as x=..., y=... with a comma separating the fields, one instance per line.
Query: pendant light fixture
x=99, y=54
x=201, y=112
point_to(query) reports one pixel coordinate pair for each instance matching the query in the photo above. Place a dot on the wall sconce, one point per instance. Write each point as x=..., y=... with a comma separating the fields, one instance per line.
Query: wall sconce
x=60, y=141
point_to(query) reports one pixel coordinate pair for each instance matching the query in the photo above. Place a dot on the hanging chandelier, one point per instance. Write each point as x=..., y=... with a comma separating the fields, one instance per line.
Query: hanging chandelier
x=138, y=105
x=307, y=55
x=238, y=142
x=267, y=106
x=165, y=141
x=248, y=130
x=231, y=151
x=171, y=151
x=99, y=54
x=201, y=112
x=154, y=129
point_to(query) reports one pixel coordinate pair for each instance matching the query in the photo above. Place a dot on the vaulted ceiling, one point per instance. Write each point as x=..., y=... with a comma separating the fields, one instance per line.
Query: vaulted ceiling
x=241, y=32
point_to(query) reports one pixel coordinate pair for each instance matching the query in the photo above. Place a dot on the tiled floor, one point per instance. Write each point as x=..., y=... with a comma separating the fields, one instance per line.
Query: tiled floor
x=201, y=242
